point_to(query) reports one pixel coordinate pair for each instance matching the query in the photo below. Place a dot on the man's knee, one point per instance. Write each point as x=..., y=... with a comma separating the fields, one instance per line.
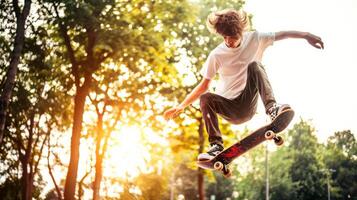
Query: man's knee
x=242, y=118
x=255, y=66
x=205, y=99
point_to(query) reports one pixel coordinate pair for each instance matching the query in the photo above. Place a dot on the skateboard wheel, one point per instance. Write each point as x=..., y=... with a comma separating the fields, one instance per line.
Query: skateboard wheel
x=269, y=135
x=278, y=140
x=227, y=173
x=218, y=166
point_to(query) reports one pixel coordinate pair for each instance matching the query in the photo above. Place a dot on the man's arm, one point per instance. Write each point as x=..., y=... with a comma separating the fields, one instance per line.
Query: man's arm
x=195, y=94
x=310, y=38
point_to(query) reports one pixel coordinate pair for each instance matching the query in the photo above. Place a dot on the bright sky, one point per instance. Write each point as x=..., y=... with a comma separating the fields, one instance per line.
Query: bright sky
x=319, y=84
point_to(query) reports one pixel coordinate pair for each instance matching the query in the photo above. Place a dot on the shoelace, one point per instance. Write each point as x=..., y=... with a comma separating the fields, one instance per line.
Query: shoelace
x=214, y=150
x=273, y=111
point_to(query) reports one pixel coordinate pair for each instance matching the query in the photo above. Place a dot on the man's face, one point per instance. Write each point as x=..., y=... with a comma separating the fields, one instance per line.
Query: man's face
x=232, y=41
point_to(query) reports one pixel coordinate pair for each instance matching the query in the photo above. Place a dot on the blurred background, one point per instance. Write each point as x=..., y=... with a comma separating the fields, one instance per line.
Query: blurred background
x=84, y=85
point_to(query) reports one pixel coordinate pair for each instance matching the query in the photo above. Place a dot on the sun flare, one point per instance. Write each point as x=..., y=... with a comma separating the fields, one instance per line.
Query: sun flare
x=127, y=155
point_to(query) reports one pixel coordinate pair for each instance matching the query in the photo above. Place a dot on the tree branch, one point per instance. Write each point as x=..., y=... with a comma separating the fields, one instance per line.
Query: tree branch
x=80, y=189
x=15, y=4
x=59, y=194
x=26, y=9
x=70, y=51
x=40, y=153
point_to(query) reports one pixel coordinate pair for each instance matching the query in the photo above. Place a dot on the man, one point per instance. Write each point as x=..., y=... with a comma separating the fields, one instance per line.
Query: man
x=242, y=78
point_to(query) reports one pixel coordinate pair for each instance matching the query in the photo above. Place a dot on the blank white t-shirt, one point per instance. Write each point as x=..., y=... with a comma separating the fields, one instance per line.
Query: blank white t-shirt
x=231, y=64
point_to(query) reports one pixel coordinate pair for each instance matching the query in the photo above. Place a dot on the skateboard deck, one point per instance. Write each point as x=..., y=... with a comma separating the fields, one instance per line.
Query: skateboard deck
x=269, y=131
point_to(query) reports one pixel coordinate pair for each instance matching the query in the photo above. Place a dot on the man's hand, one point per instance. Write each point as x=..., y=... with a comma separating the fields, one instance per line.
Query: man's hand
x=315, y=41
x=312, y=39
x=173, y=112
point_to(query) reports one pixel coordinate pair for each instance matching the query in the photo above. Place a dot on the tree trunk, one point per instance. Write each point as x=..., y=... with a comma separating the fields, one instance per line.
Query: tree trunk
x=14, y=61
x=27, y=170
x=99, y=159
x=79, y=102
x=58, y=191
x=24, y=180
x=101, y=148
x=27, y=181
x=98, y=179
x=200, y=178
x=29, y=188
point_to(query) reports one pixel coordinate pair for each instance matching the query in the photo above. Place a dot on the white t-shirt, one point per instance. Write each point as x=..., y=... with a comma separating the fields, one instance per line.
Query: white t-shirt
x=231, y=64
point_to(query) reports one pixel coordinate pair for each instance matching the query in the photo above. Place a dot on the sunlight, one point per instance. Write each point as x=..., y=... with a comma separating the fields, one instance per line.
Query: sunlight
x=127, y=155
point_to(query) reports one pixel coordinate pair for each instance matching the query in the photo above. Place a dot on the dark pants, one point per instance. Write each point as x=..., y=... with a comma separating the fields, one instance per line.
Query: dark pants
x=240, y=109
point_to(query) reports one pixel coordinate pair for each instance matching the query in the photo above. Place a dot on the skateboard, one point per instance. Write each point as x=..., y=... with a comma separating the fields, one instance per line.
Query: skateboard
x=268, y=132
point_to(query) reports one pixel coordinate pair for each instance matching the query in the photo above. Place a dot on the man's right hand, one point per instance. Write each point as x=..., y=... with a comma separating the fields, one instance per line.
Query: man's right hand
x=173, y=112
x=194, y=94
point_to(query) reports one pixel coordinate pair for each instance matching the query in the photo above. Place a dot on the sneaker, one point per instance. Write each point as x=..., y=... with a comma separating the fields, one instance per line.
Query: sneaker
x=214, y=150
x=276, y=109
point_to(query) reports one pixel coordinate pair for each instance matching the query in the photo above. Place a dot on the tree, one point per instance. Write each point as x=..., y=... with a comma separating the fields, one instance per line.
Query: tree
x=280, y=181
x=95, y=32
x=9, y=79
x=38, y=107
x=112, y=108
x=222, y=188
x=345, y=141
x=104, y=100
x=33, y=113
x=9, y=190
x=152, y=186
x=340, y=160
x=306, y=166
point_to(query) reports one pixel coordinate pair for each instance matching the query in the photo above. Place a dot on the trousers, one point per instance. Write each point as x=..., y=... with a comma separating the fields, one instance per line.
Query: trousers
x=240, y=109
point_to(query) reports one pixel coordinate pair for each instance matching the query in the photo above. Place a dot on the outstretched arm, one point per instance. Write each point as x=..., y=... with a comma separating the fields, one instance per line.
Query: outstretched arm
x=310, y=38
x=195, y=94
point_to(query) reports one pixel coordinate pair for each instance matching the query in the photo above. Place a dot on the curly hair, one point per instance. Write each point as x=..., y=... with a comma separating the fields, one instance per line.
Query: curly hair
x=227, y=22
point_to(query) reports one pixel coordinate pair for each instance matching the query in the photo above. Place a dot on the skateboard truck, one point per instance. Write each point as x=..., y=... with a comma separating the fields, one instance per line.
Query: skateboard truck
x=219, y=166
x=278, y=140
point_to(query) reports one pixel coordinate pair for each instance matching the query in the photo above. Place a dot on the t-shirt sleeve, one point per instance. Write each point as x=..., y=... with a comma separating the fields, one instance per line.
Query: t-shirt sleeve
x=266, y=39
x=210, y=67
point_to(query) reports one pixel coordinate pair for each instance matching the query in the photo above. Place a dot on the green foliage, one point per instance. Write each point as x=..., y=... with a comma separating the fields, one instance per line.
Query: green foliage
x=305, y=170
x=122, y=47
x=281, y=184
x=9, y=190
x=250, y=173
x=344, y=141
x=221, y=188
x=141, y=53
x=51, y=195
x=184, y=182
x=38, y=106
x=301, y=168
x=340, y=159
x=152, y=186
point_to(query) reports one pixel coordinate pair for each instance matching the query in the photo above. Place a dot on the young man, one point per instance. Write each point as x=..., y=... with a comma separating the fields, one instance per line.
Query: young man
x=242, y=78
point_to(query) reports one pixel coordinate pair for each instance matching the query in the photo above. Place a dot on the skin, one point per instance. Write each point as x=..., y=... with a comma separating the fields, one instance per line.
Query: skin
x=234, y=42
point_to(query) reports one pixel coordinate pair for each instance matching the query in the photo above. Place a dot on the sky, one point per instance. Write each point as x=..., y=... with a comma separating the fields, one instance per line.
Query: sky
x=319, y=84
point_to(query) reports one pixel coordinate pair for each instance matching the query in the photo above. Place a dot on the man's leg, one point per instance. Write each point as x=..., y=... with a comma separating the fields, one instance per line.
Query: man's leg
x=257, y=83
x=211, y=105
x=240, y=109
